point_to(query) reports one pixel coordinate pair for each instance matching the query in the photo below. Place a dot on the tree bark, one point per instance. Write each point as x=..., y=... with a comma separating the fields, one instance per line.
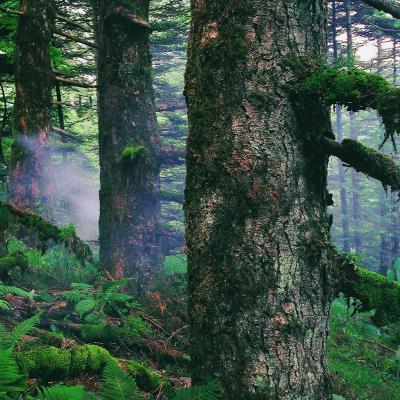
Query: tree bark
x=29, y=186
x=129, y=144
x=255, y=201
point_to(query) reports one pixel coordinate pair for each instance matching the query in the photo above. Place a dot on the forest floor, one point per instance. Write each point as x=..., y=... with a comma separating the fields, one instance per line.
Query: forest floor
x=66, y=321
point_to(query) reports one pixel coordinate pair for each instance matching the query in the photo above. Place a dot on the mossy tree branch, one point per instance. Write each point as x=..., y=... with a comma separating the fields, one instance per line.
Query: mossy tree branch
x=387, y=6
x=43, y=230
x=366, y=160
x=356, y=90
x=373, y=290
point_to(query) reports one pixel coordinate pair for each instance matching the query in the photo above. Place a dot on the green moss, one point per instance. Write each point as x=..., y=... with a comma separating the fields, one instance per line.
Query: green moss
x=46, y=362
x=49, y=362
x=146, y=378
x=374, y=291
x=133, y=154
x=104, y=334
x=356, y=90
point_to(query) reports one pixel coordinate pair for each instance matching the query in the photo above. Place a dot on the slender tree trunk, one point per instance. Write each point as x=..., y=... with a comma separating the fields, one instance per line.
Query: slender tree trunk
x=256, y=222
x=395, y=217
x=384, y=252
x=355, y=176
x=339, y=135
x=29, y=186
x=129, y=167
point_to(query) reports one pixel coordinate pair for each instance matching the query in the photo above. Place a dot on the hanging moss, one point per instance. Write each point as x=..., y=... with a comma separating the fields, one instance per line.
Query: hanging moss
x=356, y=90
x=373, y=290
x=52, y=363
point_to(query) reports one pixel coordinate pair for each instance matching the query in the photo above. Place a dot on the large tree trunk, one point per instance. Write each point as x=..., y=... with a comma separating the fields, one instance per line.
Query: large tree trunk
x=129, y=167
x=29, y=186
x=256, y=225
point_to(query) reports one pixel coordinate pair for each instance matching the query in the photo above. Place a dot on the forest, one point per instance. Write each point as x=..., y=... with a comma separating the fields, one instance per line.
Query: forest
x=199, y=199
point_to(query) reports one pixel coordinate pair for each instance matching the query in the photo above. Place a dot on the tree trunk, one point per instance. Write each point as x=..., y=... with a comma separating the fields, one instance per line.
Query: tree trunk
x=355, y=176
x=395, y=217
x=256, y=223
x=29, y=186
x=339, y=136
x=129, y=143
x=384, y=252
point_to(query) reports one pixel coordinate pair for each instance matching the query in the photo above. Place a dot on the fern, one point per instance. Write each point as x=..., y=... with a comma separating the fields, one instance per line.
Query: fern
x=9, y=375
x=4, y=290
x=58, y=392
x=5, y=305
x=209, y=391
x=9, y=340
x=117, y=384
x=86, y=306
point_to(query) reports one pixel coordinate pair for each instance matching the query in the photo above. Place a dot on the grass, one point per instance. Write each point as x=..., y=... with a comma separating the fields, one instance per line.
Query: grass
x=364, y=359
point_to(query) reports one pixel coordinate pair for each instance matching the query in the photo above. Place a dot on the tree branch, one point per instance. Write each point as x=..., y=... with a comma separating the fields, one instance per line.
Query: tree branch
x=73, y=23
x=172, y=156
x=70, y=82
x=124, y=15
x=366, y=160
x=44, y=230
x=171, y=196
x=373, y=290
x=74, y=38
x=171, y=105
x=11, y=12
x=389, y=7
x=66, y=134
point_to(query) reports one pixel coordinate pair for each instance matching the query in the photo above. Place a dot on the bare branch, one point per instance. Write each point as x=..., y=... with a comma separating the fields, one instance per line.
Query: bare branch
x=172, y=105
x=70, y=82
x=66, y=134
x=73, y=23
x=74, y=38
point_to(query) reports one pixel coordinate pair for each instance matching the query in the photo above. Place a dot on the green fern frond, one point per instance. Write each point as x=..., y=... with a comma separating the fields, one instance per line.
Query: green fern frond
x=4, y=290
x=75, y=297
x=86, y=306
x=9, y=374
x=113, y=285
x=22, y=329
x=58, y=392
x=5, y=305
x=117, y=384
x=81, y=286
x=209, y=391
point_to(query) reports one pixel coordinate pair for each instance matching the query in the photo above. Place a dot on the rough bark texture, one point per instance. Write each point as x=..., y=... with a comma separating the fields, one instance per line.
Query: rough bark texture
x=34, y=79
x=129, y=167
x=257, y=230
